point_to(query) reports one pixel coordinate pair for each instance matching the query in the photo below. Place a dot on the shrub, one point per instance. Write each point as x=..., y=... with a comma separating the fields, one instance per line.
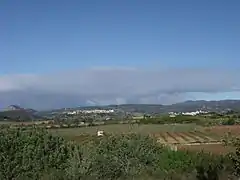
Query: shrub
x=126, y=156
x=28, y=153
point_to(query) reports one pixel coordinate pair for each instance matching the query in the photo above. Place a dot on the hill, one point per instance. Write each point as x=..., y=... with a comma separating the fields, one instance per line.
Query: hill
x=214, y=106
x=187, y=106
x=16, y=113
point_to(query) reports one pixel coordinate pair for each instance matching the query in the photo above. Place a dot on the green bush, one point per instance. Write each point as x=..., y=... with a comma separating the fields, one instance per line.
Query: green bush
x=229, y=121
x=28, y=153
x=116, y=157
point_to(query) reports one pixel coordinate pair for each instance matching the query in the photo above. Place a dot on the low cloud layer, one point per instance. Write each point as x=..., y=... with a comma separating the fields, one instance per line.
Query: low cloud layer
x=116, y=86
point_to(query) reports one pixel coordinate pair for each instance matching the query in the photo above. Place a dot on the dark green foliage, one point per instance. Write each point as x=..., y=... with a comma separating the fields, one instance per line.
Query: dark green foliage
x=210, y=168
x=29, y=153
x=234, y=157
x=123, y=156
x=229, y=121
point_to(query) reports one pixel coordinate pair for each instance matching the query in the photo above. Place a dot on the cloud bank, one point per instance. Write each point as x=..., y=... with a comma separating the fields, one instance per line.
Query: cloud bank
x=114, y=86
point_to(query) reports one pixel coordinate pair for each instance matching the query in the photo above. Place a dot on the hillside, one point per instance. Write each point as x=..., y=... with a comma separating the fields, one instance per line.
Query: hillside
x=16, y=113
x=215, y=106
x=188, y=106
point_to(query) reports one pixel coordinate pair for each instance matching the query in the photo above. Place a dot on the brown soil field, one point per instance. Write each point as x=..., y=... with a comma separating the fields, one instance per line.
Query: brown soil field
x=222, y=130
x=211, y=148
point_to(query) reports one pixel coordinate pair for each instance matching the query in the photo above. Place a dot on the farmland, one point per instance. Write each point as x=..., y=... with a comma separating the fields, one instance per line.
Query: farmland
x=129, y=155
x=222, y=130
x=184, y=136
x=119, y=143
x=145, y=129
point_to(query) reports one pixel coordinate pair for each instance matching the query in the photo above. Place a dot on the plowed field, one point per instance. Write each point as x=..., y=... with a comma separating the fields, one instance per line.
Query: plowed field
x=222, y=130
x=193, y=141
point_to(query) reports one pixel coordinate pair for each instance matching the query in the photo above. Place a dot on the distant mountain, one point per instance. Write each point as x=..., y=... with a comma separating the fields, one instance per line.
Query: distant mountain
x=215, y=106
x=12, y=108
x=16, y=113
x=45, y=100
x=188, y=106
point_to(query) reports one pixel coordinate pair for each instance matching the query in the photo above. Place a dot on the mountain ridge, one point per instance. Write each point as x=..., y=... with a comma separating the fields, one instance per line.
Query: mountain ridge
x=187, y=106
x=17, y=113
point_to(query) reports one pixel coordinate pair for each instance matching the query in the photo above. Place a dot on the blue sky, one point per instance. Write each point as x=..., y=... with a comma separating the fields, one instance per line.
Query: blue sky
x=41, y=37
x=44, y=36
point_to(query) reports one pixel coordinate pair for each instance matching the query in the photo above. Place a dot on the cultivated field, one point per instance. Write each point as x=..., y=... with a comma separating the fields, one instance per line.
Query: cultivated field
x=193, y=141
x=192, y=137
x=222, y=130
x=183, y=136
x=146, y=129
x=216, y=132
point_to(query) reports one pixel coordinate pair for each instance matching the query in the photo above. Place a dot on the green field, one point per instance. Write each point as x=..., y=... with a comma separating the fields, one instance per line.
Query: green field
x=125, y=128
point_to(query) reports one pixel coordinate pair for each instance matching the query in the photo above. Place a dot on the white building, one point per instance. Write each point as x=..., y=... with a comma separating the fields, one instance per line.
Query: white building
x=94, y=111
